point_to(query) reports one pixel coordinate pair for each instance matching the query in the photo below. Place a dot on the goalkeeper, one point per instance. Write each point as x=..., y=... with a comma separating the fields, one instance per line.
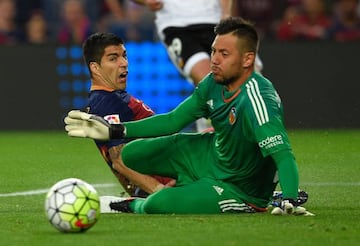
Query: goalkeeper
x=234, y=169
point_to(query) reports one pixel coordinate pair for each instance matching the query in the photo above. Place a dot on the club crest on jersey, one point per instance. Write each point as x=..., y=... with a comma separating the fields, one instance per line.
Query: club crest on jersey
x=112, y=118
x=232, y=116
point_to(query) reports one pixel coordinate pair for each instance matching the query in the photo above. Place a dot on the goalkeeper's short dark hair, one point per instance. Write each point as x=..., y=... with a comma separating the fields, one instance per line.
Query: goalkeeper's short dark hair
x=243, y=29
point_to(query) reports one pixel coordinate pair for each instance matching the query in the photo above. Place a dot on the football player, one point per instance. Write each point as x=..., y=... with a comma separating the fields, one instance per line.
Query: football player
x=106, y=58
x=234, y=169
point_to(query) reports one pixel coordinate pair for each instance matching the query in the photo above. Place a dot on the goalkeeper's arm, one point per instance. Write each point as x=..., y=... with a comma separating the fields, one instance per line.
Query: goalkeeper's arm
x=289, y=182
x=288, y=173
x=81, y=124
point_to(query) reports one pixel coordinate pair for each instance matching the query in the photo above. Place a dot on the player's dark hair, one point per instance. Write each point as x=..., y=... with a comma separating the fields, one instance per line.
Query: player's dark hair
x=241, y=28
x=94, y=46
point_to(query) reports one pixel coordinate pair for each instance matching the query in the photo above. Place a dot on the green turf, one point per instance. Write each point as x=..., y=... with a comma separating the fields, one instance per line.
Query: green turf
x=328, y=165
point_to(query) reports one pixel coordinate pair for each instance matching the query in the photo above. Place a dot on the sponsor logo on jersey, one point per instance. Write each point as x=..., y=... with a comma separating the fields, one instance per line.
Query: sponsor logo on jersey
x=271, y=142
x=112, y=118
x=232, y=116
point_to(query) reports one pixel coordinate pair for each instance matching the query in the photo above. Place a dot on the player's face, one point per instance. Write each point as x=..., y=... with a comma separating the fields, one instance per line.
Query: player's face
x=226, y=60
x=113, y=69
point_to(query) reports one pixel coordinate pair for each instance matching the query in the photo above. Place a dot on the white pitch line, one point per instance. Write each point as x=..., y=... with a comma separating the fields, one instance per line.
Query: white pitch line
x=43, y=191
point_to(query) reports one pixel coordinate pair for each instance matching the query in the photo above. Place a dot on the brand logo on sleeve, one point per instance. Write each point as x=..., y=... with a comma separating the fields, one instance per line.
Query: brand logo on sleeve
x=271, y=142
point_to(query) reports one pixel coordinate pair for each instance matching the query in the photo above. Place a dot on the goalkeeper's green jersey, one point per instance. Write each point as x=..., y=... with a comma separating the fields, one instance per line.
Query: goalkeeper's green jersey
x=248, y=126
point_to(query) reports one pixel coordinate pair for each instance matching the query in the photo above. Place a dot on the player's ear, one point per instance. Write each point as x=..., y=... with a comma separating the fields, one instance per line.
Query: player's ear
x=94, y=67
x=249, y=59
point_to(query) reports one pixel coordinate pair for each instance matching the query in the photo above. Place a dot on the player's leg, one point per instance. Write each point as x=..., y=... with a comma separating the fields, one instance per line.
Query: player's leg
x=188, y=158
x=179, y=156
x=185, y=49
x=150, y=156
x=189, y=50
x=205, y=196
x=197, y=66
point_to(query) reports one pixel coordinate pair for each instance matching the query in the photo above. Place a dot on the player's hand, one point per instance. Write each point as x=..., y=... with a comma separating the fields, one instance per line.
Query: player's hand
x=289, y=207
x=81, y=124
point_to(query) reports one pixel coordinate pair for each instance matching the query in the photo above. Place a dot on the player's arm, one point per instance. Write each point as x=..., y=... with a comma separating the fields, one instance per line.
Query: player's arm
x=125, y=174
x=226, y=7
x=288, y=173
x=81, y=124
x=289, y=182
x=165, y=124
x=191, y=109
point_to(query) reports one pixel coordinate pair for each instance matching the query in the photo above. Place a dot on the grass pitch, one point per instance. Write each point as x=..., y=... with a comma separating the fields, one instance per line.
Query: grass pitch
x=31, y=162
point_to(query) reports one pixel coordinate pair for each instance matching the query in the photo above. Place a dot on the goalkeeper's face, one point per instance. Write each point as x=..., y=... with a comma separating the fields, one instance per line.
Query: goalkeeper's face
x=229, y=65
x=113, y=68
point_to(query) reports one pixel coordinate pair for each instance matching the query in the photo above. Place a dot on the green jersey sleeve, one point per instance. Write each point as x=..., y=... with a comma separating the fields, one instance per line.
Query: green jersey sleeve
x=288, y=173
x=264, y=117
x=188, y=111
x=265, y=127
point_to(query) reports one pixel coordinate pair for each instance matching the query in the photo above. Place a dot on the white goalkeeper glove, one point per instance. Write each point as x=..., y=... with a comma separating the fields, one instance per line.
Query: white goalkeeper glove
x=81, y=124
x=288, y=207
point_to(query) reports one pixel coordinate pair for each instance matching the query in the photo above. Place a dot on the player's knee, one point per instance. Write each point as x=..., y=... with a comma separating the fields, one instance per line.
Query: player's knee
x=158, y=203
x=129, y=154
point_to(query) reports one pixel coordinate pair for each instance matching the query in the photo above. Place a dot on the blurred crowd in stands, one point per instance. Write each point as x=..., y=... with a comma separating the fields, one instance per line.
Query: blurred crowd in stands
x=71, y=21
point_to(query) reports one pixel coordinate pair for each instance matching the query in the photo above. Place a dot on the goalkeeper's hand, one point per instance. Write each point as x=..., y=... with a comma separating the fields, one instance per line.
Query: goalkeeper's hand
x=81, y=124
x=289, y=207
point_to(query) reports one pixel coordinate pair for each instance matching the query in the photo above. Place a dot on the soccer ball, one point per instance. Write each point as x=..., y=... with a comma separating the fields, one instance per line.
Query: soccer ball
x=72, y=205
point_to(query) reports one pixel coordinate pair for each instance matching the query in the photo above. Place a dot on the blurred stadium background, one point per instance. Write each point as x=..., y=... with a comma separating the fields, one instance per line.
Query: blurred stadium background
x=317, y=82
x=44, y=78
